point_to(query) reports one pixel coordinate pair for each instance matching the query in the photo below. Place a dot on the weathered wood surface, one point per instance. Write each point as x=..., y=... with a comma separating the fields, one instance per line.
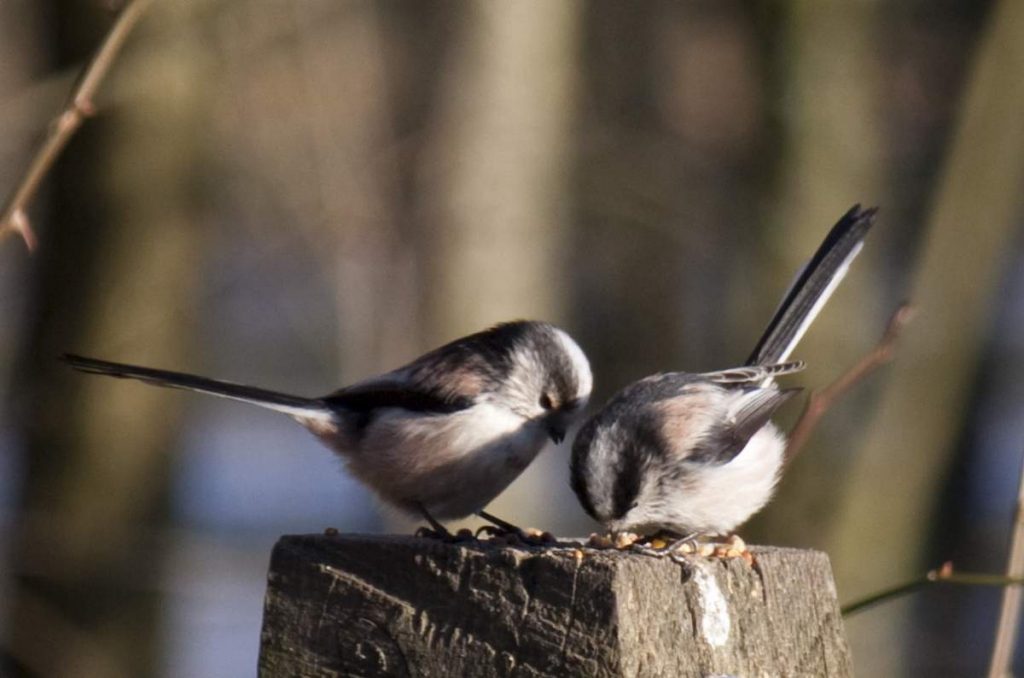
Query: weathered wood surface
x=403, y=606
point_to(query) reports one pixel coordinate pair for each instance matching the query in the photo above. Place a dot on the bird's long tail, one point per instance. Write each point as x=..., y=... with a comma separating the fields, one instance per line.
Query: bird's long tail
x=813, y=287
x=293, y=405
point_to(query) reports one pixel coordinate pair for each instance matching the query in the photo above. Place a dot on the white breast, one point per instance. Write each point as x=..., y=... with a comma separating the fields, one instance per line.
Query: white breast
x=715, y=499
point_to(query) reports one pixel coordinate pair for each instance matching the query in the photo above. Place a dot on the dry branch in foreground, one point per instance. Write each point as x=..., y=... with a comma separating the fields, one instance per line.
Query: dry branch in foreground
x=822, y=400
x=14, y=216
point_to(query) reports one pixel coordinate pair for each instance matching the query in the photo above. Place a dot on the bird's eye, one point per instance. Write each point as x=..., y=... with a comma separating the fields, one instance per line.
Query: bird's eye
x=545, y=401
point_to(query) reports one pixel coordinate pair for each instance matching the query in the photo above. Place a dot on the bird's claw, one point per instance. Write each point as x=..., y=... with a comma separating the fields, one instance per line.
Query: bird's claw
x=673, y=548
x=462, y=536
x=430, y=533
x=489, y=530
x=516, y=537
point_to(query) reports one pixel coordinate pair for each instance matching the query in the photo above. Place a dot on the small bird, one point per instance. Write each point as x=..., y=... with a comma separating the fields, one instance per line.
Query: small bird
x=443, y=435
x=696, y=454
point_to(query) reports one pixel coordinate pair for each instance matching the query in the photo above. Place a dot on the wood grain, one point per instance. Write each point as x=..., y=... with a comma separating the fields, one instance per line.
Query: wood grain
x=402, y=606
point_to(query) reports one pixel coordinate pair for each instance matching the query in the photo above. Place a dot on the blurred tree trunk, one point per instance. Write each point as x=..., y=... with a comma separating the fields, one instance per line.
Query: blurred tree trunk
x=831, y=158
x=670, y=130
x=710, y=101
x=118, y=254
x=353, y=146
x=22, y=99
x=21, y=31
x=497, y=184
x=502, y=155
x=896, y=480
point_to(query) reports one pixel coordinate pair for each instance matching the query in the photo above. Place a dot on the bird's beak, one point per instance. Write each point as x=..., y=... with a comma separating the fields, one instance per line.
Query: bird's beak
x=557, y=433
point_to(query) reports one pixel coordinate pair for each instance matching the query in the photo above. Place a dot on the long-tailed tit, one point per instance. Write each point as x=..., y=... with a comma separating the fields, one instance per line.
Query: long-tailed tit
x=697, y=453
x=443, y=435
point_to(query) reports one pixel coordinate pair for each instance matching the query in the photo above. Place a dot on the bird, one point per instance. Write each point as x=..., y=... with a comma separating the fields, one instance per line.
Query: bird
x=697, y=454
x=441, y=436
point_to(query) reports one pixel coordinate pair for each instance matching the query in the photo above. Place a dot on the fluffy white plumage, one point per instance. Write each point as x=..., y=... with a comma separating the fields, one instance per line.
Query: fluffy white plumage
x=748, y=481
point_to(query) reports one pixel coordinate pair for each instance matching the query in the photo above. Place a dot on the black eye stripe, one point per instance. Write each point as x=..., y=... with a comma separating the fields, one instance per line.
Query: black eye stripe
x=627, y=484
x=637, y=454
x=579, y=468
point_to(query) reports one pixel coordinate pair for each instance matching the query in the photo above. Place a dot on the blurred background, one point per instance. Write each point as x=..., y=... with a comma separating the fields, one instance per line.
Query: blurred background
x=298, y=195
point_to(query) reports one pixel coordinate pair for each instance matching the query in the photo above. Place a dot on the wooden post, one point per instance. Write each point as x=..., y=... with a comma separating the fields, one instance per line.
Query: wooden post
x=405, y=606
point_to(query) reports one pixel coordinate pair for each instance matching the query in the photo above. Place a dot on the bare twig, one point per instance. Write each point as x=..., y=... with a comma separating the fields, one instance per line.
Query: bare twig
x=79, y=106
x=821, y=401
x=942, y=575
x=1001, y=662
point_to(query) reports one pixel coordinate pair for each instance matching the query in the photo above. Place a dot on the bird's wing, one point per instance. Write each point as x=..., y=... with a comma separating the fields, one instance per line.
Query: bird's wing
x=726, y=438
x=397, y=390
x=753, y=374
x=447, y=379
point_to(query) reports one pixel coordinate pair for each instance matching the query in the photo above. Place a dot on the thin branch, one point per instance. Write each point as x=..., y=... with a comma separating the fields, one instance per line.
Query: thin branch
x=1003, y=649
x=942, y=575
x=821, y=401
x=885, y=595
x=79, y=106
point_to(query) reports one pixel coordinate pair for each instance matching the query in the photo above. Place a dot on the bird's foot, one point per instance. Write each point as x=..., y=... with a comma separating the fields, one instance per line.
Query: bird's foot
x=439, y=531
x=503, y=532
x=516, y=536
x=673, y=547
x=462, y=536
x=431, y=533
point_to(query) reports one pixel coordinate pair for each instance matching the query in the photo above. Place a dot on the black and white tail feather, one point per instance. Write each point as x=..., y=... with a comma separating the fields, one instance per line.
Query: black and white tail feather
x=815, y=283
x=296, y=406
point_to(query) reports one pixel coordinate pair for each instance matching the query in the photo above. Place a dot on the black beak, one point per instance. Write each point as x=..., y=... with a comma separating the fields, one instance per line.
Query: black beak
x=557, y=433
